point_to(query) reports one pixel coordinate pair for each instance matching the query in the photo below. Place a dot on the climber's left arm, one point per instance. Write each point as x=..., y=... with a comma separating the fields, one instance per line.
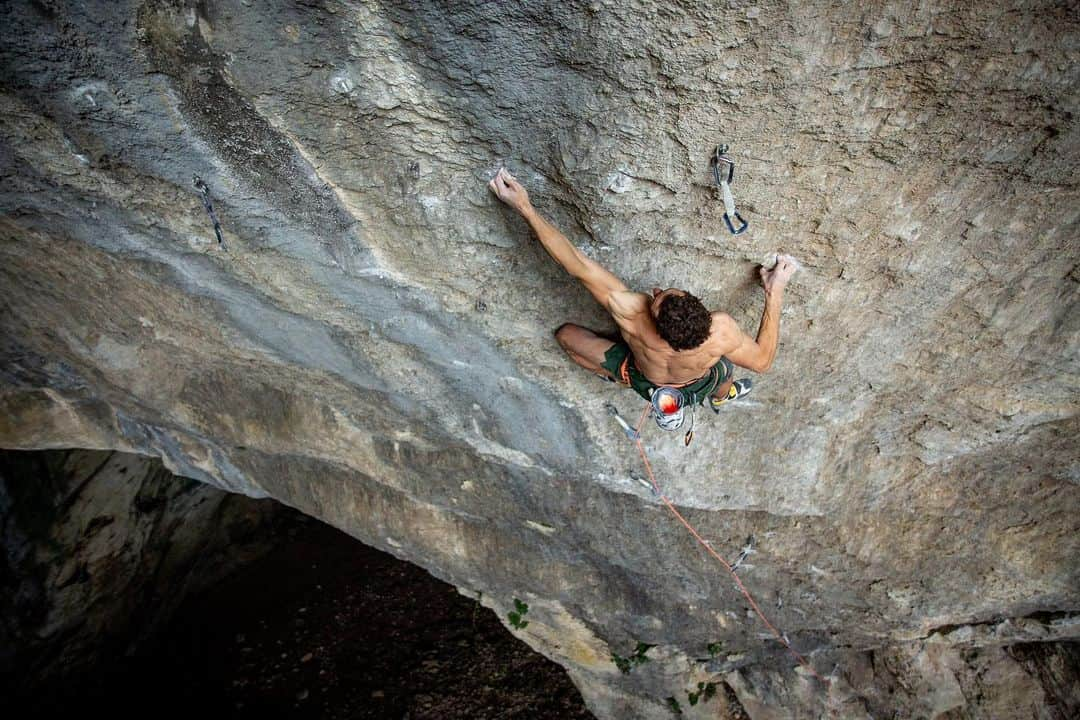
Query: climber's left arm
x=758, y=354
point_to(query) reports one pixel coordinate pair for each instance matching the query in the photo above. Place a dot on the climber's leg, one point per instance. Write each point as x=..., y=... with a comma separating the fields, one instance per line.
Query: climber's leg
x=722, y=390
x=735, y=390
x=584, y=347
x=731, y=388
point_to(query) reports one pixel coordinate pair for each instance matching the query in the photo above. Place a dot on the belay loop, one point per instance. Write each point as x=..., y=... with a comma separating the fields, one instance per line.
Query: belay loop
x=723, y=168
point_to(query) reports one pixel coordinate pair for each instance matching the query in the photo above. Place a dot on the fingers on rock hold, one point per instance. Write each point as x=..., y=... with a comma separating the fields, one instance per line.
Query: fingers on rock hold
x=781, y=261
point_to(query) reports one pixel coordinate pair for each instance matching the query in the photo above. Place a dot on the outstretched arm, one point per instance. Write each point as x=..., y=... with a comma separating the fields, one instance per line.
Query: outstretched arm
x=596, y=279
x=758, y=355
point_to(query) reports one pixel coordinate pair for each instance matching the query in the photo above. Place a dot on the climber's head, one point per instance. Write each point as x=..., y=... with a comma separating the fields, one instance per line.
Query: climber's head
x=680, y=317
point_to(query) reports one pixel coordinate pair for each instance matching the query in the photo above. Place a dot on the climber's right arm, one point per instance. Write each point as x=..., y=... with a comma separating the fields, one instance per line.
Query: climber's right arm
x=595, y=277
x=754, y=354
x=757, y=354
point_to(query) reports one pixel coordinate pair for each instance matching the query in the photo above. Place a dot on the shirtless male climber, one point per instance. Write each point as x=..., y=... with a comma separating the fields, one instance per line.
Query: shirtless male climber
x=670, y=337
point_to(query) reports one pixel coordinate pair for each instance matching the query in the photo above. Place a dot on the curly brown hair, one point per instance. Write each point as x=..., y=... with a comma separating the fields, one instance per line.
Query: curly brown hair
x=683, y=321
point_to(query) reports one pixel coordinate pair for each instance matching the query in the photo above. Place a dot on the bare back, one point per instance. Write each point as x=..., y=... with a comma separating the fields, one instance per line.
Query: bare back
x=633, y=312
x=655, y=358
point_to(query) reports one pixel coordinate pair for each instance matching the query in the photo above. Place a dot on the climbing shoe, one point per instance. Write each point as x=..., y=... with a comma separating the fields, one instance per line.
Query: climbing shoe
x=739, y=388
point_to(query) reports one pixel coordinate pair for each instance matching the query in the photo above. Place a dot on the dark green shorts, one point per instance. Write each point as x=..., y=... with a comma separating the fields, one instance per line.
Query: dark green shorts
x=619, y=361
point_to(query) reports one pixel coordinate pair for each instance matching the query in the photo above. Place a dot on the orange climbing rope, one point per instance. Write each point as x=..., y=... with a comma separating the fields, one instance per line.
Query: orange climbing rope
x=708, y=548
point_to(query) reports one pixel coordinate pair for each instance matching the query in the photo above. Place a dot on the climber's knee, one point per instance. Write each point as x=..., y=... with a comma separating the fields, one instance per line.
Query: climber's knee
x=724, y=388
x=565, y=333
x=584, y=347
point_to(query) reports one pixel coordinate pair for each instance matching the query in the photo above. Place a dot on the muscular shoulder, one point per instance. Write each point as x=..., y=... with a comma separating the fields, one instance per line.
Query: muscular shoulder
x=627, y=304
x=725, y=332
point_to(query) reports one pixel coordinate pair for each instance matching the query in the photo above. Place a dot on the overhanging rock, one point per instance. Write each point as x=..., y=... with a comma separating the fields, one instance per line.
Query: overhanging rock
x=372, y=341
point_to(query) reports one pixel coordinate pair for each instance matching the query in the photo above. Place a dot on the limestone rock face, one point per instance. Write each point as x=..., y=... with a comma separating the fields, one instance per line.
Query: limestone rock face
x=371, y=342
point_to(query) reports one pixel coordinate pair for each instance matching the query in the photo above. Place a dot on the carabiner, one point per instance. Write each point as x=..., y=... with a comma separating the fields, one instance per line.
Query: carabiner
x=720, y=156
x=741, y=229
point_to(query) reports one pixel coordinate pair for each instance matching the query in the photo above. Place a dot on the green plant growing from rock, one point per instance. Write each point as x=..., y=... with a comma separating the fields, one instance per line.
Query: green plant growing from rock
x=517, y=615
x=626, y=664
x=705, y=691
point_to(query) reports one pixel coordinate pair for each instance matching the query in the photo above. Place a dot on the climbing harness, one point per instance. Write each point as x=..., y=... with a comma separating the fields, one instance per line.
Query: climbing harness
x=634, y=434
x=205, y=191
x=723, y=168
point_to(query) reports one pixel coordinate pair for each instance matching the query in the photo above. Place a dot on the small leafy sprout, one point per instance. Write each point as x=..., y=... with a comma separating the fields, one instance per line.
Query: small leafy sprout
x=517, y=615
x=626, y=664
x=705, y=691
x=673, y=706
x=715, y=648
x=641, y=649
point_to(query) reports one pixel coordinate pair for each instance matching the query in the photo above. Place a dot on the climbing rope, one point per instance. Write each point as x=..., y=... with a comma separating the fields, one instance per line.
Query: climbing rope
x=636, y=437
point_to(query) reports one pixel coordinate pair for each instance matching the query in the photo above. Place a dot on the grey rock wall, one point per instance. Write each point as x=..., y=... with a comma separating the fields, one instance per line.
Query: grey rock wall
x=372, y=341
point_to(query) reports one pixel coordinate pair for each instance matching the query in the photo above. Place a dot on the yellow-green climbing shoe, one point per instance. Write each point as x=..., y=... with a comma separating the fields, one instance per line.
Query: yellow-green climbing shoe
x=739, y=388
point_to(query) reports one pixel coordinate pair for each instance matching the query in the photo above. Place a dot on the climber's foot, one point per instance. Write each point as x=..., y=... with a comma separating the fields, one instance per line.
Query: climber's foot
x=739, y=388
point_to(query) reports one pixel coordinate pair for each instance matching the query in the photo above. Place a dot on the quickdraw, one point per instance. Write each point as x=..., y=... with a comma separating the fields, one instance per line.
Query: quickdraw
x=723, y=168
x=205, y=193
